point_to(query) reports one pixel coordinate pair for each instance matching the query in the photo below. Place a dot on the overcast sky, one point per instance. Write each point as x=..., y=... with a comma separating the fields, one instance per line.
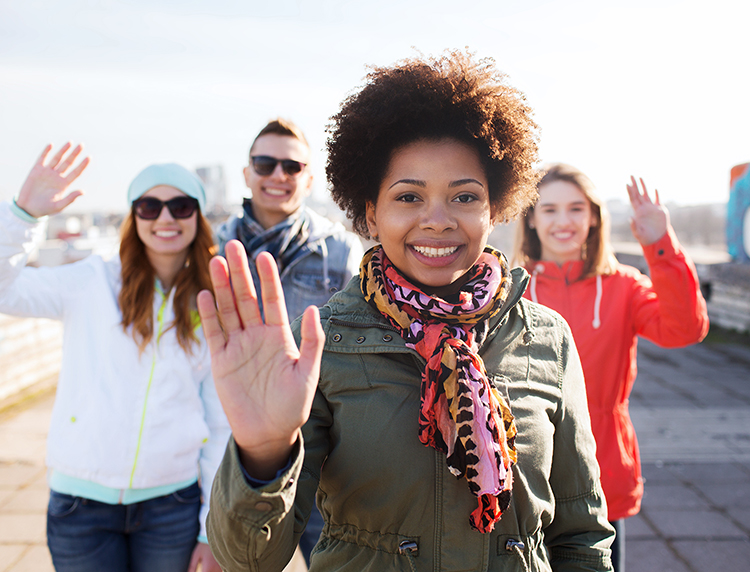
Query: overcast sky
x=656, y=88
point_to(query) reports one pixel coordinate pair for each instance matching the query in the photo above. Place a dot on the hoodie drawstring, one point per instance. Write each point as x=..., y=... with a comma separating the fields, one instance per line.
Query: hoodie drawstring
x=598, y=302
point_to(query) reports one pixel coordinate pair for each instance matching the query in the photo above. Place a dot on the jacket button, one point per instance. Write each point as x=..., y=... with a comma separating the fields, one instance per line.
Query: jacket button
x=336, y=337
x=360, y=339
x=263, y=506
x=661, y=252
x=387, y=338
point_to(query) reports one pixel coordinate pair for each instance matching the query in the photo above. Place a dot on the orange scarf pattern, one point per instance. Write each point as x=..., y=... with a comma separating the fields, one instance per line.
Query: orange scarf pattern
x=461, y=413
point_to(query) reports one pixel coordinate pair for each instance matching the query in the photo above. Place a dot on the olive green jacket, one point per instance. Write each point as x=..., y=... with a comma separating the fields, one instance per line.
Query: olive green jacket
x=389, y=502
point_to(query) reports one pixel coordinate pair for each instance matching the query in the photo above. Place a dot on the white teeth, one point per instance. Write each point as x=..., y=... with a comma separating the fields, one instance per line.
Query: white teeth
x=435, y=252
x=275, y=192
x=166, y=233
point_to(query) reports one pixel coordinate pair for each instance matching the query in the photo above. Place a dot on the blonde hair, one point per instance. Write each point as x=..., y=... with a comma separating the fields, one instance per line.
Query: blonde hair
x=598, y=256
x=137, y=293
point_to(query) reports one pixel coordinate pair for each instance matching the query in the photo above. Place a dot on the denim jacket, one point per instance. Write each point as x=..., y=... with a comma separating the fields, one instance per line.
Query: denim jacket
x=333, y=257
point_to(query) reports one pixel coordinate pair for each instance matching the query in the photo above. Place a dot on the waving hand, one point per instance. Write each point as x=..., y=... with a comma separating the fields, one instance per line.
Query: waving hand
x=650, y=218
x=265, y=383
x=45, y=190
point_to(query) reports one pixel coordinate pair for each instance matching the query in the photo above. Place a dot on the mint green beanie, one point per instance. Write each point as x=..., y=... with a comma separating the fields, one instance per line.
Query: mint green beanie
x=170, y=174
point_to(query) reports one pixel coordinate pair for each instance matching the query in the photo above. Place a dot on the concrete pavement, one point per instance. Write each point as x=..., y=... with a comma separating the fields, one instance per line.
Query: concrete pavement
x=691, y=408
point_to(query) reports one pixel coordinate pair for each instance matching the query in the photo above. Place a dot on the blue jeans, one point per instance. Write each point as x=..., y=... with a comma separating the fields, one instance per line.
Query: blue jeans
x=618, y=546
x=154, y=535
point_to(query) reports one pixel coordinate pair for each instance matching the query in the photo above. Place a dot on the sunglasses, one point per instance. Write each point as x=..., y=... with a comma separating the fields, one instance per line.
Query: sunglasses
x=149, y=208
x=265, y=165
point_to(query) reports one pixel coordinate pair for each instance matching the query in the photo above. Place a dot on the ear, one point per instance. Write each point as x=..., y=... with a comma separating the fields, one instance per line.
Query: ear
x=247, y=173
x=308, y=185
x=372, y=225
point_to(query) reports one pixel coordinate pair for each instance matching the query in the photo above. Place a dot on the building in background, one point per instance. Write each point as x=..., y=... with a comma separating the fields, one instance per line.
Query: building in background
x=216, y=187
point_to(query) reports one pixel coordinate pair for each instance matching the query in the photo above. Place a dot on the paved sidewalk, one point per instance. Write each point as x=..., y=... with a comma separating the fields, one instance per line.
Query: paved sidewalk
x=691, y=408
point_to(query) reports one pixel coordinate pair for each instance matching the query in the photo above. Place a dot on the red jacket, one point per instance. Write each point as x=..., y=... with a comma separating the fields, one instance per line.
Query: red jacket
x=606, y=313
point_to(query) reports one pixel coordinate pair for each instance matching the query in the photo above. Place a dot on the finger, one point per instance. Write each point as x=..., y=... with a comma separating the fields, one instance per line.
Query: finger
x=633, y=191
x=245, y=294
x=68, y=161
x=75, y=173
x=311, y=342
x=274, y=306
x=59, y=155
x=646, y=198
x=43, y=157
x=210, y=320
x=656, y=197
x=67, y=199
x=223, y=294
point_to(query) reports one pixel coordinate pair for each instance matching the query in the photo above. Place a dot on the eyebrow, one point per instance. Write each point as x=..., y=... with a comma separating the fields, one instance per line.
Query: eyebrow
x=423, y=184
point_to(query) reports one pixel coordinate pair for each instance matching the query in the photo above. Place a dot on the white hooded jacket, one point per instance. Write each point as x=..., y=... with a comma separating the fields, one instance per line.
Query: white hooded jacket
x=122, y=419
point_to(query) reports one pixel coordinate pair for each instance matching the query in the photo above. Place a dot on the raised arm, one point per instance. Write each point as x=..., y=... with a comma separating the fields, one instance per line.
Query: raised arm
x=265, y=383
x=650, y=219
x=45, y=190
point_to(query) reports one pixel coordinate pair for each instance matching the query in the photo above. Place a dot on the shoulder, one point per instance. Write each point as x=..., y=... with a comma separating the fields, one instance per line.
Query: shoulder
x=332, y=231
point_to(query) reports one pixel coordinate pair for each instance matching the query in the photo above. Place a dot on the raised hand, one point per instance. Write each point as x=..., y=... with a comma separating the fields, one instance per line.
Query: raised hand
x=45, y=190
x=650, y=218
x=266, y=385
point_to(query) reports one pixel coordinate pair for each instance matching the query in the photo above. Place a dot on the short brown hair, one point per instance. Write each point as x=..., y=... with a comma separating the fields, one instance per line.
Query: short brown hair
x=598, y=256
x=281, y=126
x=452, y=96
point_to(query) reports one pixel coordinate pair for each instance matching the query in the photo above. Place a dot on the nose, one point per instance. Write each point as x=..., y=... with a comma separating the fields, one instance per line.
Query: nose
x=165, y=215
x=437, y=217
x=278, y=172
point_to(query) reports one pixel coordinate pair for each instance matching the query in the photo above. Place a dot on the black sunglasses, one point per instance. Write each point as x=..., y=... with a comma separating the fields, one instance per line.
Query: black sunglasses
x=264, y=165
x=149, y=208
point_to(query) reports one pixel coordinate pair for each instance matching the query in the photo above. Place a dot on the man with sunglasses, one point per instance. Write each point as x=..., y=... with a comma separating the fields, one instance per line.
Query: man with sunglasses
x=316, y=257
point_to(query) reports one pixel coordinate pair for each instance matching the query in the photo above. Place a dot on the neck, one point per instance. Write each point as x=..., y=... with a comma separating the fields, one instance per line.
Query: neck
x=166, y=267
x=269, y=219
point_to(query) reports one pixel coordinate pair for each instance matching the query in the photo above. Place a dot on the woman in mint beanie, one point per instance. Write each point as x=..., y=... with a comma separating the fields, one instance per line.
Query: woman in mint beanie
x=137, y=429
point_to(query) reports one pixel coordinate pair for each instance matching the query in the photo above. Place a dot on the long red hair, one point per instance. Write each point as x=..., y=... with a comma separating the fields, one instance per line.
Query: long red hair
x=137, y=294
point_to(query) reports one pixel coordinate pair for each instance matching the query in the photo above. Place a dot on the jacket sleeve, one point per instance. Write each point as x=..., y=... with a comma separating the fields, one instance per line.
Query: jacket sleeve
x=580, y=535
x=669, y=309
x=212, y=451
x=26, y=291
x=259, y=528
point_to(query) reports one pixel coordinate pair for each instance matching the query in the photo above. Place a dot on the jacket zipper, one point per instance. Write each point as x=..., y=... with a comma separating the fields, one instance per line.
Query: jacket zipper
x=160, y=322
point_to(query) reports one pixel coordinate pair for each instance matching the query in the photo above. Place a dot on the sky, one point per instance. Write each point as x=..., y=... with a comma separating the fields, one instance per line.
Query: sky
x=652, y=88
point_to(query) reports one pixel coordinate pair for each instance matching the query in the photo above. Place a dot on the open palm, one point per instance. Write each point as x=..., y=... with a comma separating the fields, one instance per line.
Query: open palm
x=265, y=383
x=45, y=190
x=650, y=218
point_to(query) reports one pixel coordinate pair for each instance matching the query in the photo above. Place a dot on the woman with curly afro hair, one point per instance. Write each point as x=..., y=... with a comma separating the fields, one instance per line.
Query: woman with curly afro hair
x=438, y=419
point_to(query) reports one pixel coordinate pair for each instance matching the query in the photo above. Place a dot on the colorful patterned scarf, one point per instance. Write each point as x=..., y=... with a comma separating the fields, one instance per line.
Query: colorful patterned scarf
x=284, y=241
x=462, y=414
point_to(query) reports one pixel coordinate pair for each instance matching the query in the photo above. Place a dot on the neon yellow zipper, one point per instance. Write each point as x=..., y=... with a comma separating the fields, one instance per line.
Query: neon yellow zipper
x=160, y=322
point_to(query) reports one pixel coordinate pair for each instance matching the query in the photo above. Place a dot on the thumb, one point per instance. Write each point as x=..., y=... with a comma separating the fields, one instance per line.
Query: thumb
x=69, y=198
x=312, y=342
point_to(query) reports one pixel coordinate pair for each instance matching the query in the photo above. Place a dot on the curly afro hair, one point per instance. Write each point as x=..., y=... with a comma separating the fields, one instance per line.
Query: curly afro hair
x=452, y=96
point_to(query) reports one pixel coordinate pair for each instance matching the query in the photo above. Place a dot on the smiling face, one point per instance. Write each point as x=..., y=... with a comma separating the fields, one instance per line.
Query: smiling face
x=432, y=215
x=166, y=236
x=562, y=218
x=278, y=195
